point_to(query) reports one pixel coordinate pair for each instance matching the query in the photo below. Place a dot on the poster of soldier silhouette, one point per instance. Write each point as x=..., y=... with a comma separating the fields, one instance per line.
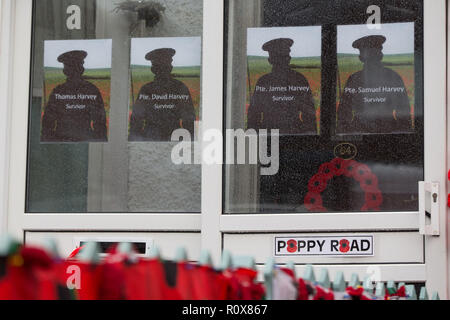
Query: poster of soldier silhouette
x=376, y=79
x=165, y=87
x=284, y=79
x=76, y=91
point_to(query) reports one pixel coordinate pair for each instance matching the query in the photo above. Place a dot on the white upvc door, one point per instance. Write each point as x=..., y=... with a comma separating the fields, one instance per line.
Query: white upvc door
x=401, y=252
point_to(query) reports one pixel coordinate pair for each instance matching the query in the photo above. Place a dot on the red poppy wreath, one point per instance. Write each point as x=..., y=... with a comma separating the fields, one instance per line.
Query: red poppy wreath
x=348, y=168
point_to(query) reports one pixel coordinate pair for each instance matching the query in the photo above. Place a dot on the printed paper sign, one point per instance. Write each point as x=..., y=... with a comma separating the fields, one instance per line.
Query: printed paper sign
x=76, y=91
x=324, y=246
x=376, y=89
x=165, y=87
x=284, y=79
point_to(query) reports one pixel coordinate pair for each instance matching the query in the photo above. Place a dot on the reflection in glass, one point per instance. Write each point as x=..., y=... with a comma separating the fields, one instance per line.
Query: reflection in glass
x=367, y=154
x=114, y=175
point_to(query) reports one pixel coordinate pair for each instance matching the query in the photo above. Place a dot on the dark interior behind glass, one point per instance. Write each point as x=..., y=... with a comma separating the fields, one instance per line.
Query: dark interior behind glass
x=393, y=161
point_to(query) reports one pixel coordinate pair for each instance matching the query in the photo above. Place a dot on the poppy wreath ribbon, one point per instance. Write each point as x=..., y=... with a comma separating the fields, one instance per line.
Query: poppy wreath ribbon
x=348, y=168
x=357, y=293
x=400, y=293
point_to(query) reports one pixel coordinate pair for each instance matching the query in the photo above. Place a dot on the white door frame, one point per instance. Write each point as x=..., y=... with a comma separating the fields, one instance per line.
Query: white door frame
x=215, y=222
x=6, y=55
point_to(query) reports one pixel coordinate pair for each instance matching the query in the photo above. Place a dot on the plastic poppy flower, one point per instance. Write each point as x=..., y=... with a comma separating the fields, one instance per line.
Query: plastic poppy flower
x=400, y=293
x=370, y=184
x=362, y=172
x=327, y=170
x=344, y=246
x=303, y=293
x=322, y=294
x=357, y=294
x=374, y=199
x=349, y=167
x=317, y=184
x=313, y=201
x=338, y=165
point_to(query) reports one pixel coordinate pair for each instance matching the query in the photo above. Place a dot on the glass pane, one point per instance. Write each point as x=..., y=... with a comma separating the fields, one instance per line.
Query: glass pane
x=111, y=81
x=330, y=94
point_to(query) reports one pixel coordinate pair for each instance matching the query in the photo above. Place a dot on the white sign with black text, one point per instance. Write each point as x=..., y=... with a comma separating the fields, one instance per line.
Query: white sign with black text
x=339, y=246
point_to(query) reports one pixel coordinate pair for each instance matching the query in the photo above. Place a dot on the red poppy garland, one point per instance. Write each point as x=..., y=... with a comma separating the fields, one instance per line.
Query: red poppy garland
x=348, y=168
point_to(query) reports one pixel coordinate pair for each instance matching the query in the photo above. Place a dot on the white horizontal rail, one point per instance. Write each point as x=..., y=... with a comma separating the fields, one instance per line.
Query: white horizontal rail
x=319, y=222
x=112, y=222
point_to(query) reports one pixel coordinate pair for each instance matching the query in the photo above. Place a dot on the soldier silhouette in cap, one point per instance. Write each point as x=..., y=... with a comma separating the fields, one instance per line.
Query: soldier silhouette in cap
x=375, y=99
x=75, y=111
x=282, y=99
x=163, y=105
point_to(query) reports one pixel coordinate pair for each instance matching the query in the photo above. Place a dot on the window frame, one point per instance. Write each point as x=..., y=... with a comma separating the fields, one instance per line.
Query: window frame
x=19, y=221
x=364, y=221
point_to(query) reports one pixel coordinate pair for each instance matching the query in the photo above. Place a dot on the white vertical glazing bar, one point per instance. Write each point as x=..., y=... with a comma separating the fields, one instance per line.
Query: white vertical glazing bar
x=446, y=222
x=19, y=81
x=6, y=54
x=212, y=119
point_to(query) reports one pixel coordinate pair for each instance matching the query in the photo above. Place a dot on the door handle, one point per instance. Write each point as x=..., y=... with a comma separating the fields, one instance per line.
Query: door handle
x=429, y=208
